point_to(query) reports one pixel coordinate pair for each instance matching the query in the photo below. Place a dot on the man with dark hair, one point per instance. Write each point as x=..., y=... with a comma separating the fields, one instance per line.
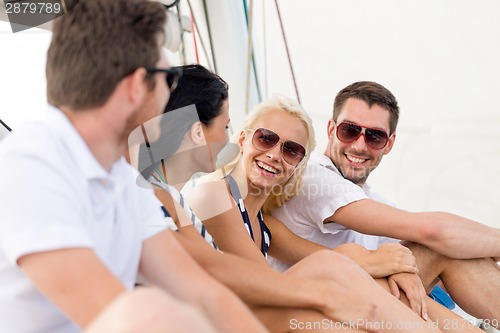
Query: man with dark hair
x=335, y=206
x=75, y=228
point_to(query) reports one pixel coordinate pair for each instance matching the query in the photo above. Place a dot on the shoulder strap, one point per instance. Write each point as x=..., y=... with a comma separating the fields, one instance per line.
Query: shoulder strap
x=235, y=192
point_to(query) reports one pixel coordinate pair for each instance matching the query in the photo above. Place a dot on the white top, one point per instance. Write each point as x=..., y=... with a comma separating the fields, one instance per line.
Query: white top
x=323, y=191
x=54, y=195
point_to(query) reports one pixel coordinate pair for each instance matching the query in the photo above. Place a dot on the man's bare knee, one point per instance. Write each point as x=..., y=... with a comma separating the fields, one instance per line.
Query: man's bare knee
x=422, y=252
x=430, y=263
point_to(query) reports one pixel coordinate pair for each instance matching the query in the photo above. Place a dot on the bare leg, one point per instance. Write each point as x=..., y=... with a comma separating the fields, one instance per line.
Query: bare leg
x=397, y=315
x=441, y=317
x=280, y=320
x=390, y=316
x=447, y=320
x=149, y=310
x=474, y=284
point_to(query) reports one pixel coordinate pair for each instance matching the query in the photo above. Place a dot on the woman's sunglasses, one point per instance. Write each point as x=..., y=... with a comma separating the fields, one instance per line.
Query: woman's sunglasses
x=264, y=140
x=374, y=138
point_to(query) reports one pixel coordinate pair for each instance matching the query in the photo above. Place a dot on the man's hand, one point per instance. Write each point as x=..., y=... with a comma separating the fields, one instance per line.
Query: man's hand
x=388, y=259
x=412, y=286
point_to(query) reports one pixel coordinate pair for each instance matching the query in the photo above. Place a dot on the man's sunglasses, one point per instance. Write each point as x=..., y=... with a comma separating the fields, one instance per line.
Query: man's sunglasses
x=264, y=140
x=374, y=138
x=173, y=75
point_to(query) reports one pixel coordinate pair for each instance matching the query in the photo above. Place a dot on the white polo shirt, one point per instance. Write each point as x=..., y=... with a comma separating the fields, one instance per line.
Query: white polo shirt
x=323, y=191
x=55, y=195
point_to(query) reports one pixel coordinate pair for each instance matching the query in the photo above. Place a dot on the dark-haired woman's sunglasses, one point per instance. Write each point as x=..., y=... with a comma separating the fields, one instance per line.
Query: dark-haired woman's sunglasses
x=264, y=140
x=374, y=138
x=172, y=75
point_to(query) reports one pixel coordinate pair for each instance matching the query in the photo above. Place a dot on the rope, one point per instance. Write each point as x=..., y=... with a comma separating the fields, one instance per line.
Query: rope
x=183, y=49
x=197, y=30
x=194, y=40
x=210, y=35
x=5, y=125
x=265, y=50
x=257, y=82
x=249, y=54
x=287, y=51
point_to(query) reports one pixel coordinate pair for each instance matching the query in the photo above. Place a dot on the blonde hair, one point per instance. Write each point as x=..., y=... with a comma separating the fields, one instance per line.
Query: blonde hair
x=280, y=103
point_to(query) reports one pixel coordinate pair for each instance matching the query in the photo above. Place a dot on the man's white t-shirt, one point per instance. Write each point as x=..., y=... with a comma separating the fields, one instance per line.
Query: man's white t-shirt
x=323, y=191
x=55, y=195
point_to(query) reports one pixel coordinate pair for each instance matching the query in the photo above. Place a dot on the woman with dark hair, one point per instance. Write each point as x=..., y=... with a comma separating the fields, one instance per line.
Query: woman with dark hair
x=197, y=107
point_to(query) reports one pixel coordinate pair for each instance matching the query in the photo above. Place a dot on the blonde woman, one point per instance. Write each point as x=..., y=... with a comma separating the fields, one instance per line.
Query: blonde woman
x=274, y=145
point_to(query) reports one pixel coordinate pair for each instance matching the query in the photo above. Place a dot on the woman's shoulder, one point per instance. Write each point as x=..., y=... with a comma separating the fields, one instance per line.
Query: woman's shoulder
x=209, y=198
x=204, y=187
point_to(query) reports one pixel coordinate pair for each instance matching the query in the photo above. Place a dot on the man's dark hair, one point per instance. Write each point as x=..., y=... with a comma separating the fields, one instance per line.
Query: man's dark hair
x=96, y=44
x=373, y=94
